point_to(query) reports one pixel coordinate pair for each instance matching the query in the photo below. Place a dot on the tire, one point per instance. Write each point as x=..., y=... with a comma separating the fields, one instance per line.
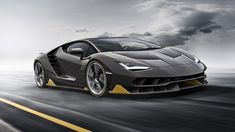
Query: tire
x=96, y=78
x=39, y=75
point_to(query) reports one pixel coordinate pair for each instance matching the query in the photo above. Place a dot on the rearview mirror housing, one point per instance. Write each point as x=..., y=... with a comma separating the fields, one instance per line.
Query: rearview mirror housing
x=76, y=51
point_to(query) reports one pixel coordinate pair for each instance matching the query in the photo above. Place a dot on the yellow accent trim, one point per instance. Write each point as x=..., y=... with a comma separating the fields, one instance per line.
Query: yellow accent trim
x=50, y=83
x=193, y=82
x=47, y=117
x=86, y=89
x=118, y=89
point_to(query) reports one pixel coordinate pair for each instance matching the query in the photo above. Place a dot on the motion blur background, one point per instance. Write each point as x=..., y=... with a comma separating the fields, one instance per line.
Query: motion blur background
x=204, y=27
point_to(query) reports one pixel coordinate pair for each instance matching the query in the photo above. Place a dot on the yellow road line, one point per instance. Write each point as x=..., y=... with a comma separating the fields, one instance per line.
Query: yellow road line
x=45, y=116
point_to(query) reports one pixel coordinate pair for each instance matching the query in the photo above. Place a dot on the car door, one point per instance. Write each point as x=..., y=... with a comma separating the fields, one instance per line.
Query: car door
x=72, y=64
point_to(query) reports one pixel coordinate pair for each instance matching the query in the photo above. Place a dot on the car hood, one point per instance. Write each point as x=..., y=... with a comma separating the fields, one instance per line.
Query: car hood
x=161, y=57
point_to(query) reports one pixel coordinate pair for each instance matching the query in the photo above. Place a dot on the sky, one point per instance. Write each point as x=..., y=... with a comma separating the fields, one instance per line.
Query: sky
x=204, y=27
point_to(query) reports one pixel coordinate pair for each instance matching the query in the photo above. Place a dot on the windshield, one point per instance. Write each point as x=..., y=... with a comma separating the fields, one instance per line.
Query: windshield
x=123, y=44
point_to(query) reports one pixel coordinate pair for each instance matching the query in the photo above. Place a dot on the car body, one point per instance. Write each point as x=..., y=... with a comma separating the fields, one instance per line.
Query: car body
x=119, y=65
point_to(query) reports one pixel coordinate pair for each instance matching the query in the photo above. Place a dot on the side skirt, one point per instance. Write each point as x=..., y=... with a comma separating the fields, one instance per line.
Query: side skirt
x=118, y=89
x=51, y=83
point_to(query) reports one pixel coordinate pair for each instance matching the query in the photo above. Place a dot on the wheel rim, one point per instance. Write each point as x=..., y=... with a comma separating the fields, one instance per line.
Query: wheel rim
x=96, y=78
x=39, y=74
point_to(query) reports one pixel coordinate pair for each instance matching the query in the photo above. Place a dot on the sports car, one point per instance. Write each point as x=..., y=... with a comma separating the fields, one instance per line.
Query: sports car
x=119, y=65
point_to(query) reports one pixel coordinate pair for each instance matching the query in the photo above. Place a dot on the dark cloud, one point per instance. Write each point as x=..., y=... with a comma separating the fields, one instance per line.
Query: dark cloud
x=199, y=21
x=170, y=40
x=176, y=22
x=197, y=26
x=82, y=30
x=146, y=34
x=105, y=34
x=210, y=28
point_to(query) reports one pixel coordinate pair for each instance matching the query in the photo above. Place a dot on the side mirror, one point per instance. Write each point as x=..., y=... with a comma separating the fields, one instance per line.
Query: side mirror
x=76, y=51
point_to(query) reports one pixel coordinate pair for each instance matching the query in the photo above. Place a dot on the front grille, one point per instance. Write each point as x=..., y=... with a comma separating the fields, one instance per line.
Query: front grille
x=164, y=80
x=142, y=85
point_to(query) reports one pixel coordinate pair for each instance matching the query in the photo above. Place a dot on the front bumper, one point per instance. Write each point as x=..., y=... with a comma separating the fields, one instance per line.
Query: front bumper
x=159, y=79
x=160, y=85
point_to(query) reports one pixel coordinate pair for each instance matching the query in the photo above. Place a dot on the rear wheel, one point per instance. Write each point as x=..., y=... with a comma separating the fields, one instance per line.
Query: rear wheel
x=96, y=79
x=39, y=74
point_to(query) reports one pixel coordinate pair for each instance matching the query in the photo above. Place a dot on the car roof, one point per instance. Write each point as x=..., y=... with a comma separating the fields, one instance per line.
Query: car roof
x=105, y=38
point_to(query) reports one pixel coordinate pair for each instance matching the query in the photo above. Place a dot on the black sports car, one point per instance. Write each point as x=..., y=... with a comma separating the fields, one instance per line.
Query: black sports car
x=119, y=65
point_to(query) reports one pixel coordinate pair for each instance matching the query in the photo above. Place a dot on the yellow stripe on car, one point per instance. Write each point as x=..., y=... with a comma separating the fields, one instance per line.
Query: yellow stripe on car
x=118, y=89
x=86, y=89
x=50, y=83
x=193, y=82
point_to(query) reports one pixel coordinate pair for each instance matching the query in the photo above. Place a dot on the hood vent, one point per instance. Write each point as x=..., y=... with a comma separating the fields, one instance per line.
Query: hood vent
x=169, y=52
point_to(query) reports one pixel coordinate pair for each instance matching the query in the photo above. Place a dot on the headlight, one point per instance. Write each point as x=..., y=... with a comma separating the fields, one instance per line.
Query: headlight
x=196, y=59
x=133, y=67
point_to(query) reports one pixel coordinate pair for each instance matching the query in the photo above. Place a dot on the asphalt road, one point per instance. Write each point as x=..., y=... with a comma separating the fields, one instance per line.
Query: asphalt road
x=209, y=109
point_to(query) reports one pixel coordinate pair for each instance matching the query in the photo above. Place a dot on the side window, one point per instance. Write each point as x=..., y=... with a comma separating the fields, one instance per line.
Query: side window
x=88, y=50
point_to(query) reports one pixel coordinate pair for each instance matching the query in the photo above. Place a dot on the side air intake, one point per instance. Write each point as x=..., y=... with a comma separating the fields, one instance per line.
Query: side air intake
x=54, y=63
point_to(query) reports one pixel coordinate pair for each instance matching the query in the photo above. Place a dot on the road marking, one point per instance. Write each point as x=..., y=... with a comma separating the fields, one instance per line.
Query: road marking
x=45, y=116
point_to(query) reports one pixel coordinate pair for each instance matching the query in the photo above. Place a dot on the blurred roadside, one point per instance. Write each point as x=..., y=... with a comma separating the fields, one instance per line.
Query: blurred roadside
x=5, y=127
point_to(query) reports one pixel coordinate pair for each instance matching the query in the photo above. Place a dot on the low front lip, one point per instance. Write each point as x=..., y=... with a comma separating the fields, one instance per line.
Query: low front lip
x=165, y=92
x=170, y=82
x=165, y=86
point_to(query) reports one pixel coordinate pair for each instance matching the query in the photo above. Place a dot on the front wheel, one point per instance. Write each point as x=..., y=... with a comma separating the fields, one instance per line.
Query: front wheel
x=96, y=79
x=39, y=74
